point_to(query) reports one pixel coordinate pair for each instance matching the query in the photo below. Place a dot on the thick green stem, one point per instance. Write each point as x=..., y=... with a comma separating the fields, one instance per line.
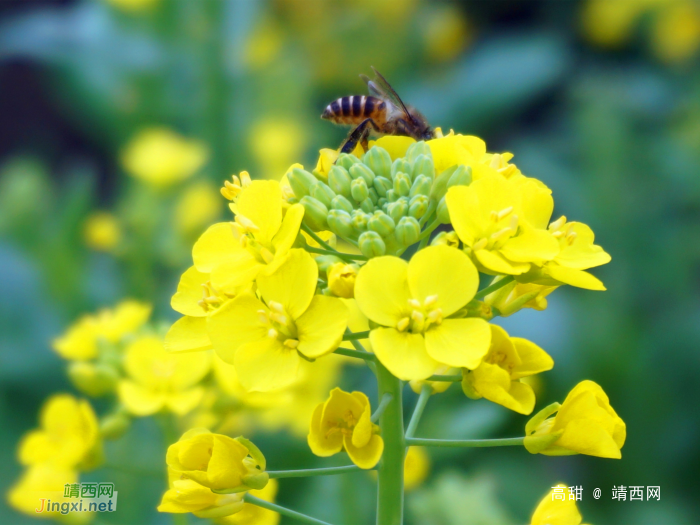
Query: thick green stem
x=425, y=393
x=390, y=479
x=478, y=443
x=303, y=518
x=359, y=354
x=350, y=336
x=494, y=286
x=308, y=473
x=348, y=257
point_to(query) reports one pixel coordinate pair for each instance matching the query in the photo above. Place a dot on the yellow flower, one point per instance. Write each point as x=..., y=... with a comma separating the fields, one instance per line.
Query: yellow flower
x=217, y=461
x=198, y=206
x=416, y=468
x=675, y=33
x=438, y=387
x=81, y=339
x=68, y=436
x=413, y=302
x=39, y=481
x=552, y=511
x=497, y=378
x=446, y=33
x=343, y=422
x=158, y=379
x=102, y=231
x=265, y=340
x=584, y=424
x=501, y=223
x=234, y=253
x=275, y=143
x=186, y=495
x=161, y=157
x=252, y=514
x=134, y=6
x=341, y=279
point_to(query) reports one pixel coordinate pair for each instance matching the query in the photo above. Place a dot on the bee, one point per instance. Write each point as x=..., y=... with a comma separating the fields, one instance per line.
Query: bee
x=382, y=111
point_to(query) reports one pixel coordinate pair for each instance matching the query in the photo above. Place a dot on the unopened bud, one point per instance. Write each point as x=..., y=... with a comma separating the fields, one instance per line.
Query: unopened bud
x=379, y=161
x=407, y=231
x=447, y=239
x=323, y=193
x=315, y=214
x=439, y=187
x=359, y=189
x=443, y=214
x=382, y=185
x=397, y=209
x=346, y=160
x=339, y=202
x=418, y=206
x=423, y=165
x=256, y=480
x=421, y=186
x=341, y=279
x=360, y=170
x=462, y=176
x=359, y=220
x=367, y=205
x=93, y=379
x=371, y=244
x=114, y=426
x=417, y=149
x=340, y=223
x=402, y=184
x=324, y=262
x=400, y=165
x=381, y=223
x=301, y=181
x=391, y=195
x=339, y=180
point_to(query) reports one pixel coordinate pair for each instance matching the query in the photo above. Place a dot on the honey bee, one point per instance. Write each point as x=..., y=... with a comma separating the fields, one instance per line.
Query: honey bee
x=382, y=111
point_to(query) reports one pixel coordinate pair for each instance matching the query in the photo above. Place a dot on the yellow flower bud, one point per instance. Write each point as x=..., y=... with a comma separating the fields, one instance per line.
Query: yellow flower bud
x=102, y=231
x=341, y=279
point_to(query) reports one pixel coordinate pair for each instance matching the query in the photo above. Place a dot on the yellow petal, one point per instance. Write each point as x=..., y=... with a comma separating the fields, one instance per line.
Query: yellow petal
x=236, y=272
x=289, y=230
x=395, y=145
x=494, y=384
x=403, y=353
x=321, y=327
x=582, y=254
x=556, y=512
x=139, y=400
x=266, y=365
x=532, y=245
x=368, y=456
x=533, y=359
x=225, y=467
x=188, y=334
x=587, y=436
x=189, y=293
x=293, y=284
x=362, y=433
x=323, y=444
x=184, y=401
x=463, y=205
x=215, y=246
x=459, y=342
x=261, y=203
x=577, y=278
x=446, y=272
x=496, y=263
x=381, y=290
x=236, y=323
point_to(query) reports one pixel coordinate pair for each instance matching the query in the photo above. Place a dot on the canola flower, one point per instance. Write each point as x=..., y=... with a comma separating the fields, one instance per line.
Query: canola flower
x=555, y=511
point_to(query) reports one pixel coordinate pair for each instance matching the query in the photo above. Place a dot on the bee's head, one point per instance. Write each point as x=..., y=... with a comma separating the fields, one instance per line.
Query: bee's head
x=427, y=133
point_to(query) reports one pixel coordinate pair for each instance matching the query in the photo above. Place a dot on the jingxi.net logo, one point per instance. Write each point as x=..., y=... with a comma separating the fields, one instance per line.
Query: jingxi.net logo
x=79, y=497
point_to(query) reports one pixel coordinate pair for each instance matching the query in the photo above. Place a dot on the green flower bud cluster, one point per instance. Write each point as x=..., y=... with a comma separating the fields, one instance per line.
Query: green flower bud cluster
x=378, y=204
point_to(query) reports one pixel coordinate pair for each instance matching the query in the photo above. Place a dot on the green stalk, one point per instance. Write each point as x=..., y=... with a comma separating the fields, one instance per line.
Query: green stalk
x=386, y=399
x=303, y=518
x=348, y=257
x=451, y=378
x=425, y=393
x=308, y=473
x=390, y=479
x=359, y=354
x=349, y=336
x=494, y=286
x=465, y=443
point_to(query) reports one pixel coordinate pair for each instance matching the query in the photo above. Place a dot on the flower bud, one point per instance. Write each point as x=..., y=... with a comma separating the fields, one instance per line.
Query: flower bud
x=315, y=214
x=340, y=223
x=114, y=426
x=367, y=205
x=400, y=165
x=407, y=231
x=421, y=186
x=339, y=181
x=373, y=195
x=391, y=195
x=301, y=181
x=93, y=379
x=397, y=209
x=462, y=176
x=423, y=165
x=324, y=262
x=339, y=202
x=417, y=149
x=418, y=206
x=359, y=189
x=439, y=187
x=379, y=161
x=446, y=238
x=381, y=223
x=341, y=279
x=382, y=202
x=345, y=160
x=402, y=184
x=371, y=244
x=322, y=193
x=360, y=170
x=382, y=185
x=443, y=214
x=359, y=221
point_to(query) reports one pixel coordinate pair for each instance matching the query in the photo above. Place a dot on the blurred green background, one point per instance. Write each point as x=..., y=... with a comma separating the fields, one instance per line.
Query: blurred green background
x=599, y=99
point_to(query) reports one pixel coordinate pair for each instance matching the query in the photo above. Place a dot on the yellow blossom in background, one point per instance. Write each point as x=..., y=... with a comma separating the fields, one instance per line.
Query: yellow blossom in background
x=217, y=461
x=40, y=481
x=584, y=424
x=252, y=514
x=68, y=436
x=498, y=376
x=264, y=44
x=552, y=511
x=186, y=495
x=160, y=157
x=160, y=380
x=265, y=340
x=198, y=206
x=446, y=32
x=134, y=6
x=343, y=422
x=675, y=34
x=102, y=231
x=412, y=301
x=275, y=143
x=416, y=467
x=611, y=24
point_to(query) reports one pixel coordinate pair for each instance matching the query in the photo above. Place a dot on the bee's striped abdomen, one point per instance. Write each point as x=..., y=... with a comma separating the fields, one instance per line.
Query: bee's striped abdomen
x=354, y=109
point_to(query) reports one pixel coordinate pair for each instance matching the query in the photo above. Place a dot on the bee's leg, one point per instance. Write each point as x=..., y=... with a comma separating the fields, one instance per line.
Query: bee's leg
x=359, y=135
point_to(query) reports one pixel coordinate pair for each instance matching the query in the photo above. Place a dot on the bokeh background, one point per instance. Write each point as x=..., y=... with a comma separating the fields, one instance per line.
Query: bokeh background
x=600, y=99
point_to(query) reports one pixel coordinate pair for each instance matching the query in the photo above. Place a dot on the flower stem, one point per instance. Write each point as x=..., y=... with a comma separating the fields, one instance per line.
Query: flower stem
x=308, y=473
x=386, y=399
x=425, y=393
x=355, y=353
x=390, y=479
x=316, y=238
x=303, y=518
x=349, y=257
x=494, y=286
x=350, y=336
x=425, y=236
x=452, y=378
x=479, y=443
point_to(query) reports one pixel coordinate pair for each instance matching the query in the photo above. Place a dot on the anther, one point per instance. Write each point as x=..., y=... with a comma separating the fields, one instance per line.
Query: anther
x=266, y=254
x=272, y=333
x=558, y=223
x=480, y=244
x=414, y=303
x=277, y=307
x=430, y=300
x=403, y=324
x=571, y=238
x=291, y=343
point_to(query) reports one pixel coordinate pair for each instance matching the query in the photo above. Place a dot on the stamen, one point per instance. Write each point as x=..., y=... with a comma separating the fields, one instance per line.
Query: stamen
x=558, y=223
x=571, y=238
x=418, y=317
x=277, y=307
x=266, y=254
x=246, y=223
x=480, y=245
x=403, y=324
x=263, y=317
x=430, y=300
x=414, y=303
x=435, y=315
x=278, y=318
x=291, y=343
x=272, y=333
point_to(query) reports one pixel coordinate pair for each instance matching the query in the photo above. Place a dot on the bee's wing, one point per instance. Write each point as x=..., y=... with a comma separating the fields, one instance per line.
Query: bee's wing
x=385, y=91
x=373, y=89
